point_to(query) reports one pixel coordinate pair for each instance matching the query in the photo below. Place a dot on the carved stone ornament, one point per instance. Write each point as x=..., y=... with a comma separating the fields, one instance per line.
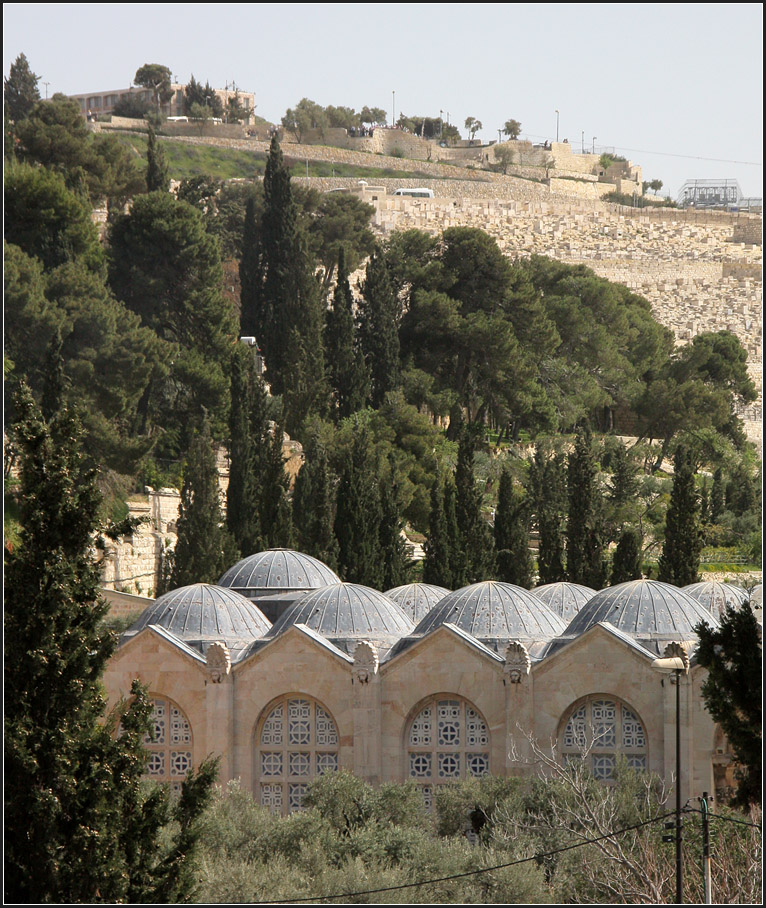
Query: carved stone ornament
x=677, y=651
x=517, y=661
x=365, y=662
x=218, y=661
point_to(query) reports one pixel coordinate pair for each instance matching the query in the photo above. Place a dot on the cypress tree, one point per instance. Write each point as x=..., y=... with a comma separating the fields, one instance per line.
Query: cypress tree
x=20, y=90
x=157, y=173
x=513, y=560
x=54, y=380
x=252, y=316
x=242, y=519
x=275, y=508
x=680, y=559
x=586, y=563
x=717, y=497
x=204, y=548
x=626, y=564
x=378, y=325
x=358, y=515
x=79, y=826
x=393, y=550
x=474, y=549
x=314, y=505
x=347, y=373
x=548, y=489
x=453, y=533
x=436, y=565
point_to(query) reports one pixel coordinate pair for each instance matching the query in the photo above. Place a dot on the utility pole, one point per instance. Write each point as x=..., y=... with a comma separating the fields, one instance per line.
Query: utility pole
x=706, y=849
x=46, y=84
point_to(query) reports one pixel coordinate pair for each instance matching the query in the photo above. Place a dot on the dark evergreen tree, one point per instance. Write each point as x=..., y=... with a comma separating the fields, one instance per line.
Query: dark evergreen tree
x=314, y=504
x=474, y=553
x=436, y=565
x=623, y=485
x=252, y=304
x=347, y=373
x=282, y=300
x=717, y=497
x=733, y=693
x=20, y=89
x=79, y=825
x=204, y=548
x=626, y=564
x=275, y=507
x=242, y=513
x=453, y=532
x=157, y=173
x=548, y=489
x=393, y=549
x=585, y=536
x=54, y=379
x=680, y=559
x=511, y=531
x=378, y=325
x=358, y=515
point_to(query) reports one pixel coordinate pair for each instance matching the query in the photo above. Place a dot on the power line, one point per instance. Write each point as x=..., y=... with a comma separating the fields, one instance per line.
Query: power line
x=458, y=876
x=720, y=816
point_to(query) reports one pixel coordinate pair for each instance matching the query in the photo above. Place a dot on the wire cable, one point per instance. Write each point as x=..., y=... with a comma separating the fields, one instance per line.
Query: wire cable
x=720, y=816
x=457, y=876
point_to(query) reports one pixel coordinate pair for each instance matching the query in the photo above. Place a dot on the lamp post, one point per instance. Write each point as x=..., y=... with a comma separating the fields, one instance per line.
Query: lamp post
x=557, y=126
x=675, y=663
x=593, y=146
x=582, y=141
x=393, y=108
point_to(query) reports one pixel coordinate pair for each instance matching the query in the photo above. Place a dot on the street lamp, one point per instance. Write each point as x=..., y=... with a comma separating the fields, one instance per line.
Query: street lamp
x=557, y=126
x=593, y=147
x=393, y=108
x=675, y=662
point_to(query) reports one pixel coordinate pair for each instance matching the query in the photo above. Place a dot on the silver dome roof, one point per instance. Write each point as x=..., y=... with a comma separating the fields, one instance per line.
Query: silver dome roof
x=492, y=611
x=417, y=599
x=716, y=596
x=346, y=613
x=566, y=599
x=202, y=613
x=278, y=570
x=653, y=613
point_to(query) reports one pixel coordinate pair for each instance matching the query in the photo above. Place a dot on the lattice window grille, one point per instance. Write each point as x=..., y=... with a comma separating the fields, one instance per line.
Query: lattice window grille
x=156, y=764
x=180, y=762
x=574, y=733
x=420, y=766
x=449, y=766
x=632, y=730
x=604, y=715
x=448, y=723
x=600, y=730
x=603, y=766
x=167, y=762
x=180, y=731
x=476, y=732
x=298, y=741
x=158, y=721
x=420, y=730
x=477, y=764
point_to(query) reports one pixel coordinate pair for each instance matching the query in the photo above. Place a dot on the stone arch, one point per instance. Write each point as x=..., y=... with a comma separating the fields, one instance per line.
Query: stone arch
x=599, y=728
x=445, y=738
x=170, y=743
x=296, y=739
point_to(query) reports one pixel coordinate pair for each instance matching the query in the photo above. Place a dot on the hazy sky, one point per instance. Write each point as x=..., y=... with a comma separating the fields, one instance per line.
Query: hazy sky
x=676, y=88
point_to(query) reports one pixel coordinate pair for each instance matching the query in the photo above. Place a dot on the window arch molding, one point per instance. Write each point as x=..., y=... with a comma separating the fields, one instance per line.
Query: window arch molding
x=445, y=738
x=603, y=727
x=295, y=739
x=171, y=746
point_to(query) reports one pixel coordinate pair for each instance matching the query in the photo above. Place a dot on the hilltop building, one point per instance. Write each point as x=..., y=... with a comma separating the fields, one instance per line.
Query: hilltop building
x=421, y=684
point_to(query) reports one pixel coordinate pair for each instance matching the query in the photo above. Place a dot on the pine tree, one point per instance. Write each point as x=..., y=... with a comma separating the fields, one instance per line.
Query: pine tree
x=157, y=173
x=314, y=505
x=586, y=563
x=547, y=479
x=358, y=515
x=393, y=550
x=20, y=89
x=79, y=826
x=345, y=364
x=680, y=559
x=626, y=564
x=733, y=693
x=624, y=482
x=204, y=548
x=378, y=325
x=54, y=379
x=436, y=565
x=474, y=550
x=513, y=560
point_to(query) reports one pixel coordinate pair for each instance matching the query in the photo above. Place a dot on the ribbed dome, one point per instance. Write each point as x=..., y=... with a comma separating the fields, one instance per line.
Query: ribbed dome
x=566, y=599
x=277, y=571
x=716, y=596
x=346, y=613
x=203, y=613
x=653, y=613
x=493, y=612
x=417, y=599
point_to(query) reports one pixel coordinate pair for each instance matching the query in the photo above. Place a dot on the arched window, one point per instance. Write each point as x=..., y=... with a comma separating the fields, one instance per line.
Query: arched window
x=170, y=745
x=599, y=729
x=448, y=739
x=297, y=741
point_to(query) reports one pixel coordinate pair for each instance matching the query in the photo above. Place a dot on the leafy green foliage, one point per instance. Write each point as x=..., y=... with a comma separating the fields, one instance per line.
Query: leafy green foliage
x=157, y=78
x=20, y=91
x=198, y=96
x=585, y=535
x=511, y=532
x=680, y=559
x=157, y=176
x=732, y=691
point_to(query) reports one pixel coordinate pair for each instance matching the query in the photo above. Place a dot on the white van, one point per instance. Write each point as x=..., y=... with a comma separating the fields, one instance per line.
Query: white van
x=416, y=193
